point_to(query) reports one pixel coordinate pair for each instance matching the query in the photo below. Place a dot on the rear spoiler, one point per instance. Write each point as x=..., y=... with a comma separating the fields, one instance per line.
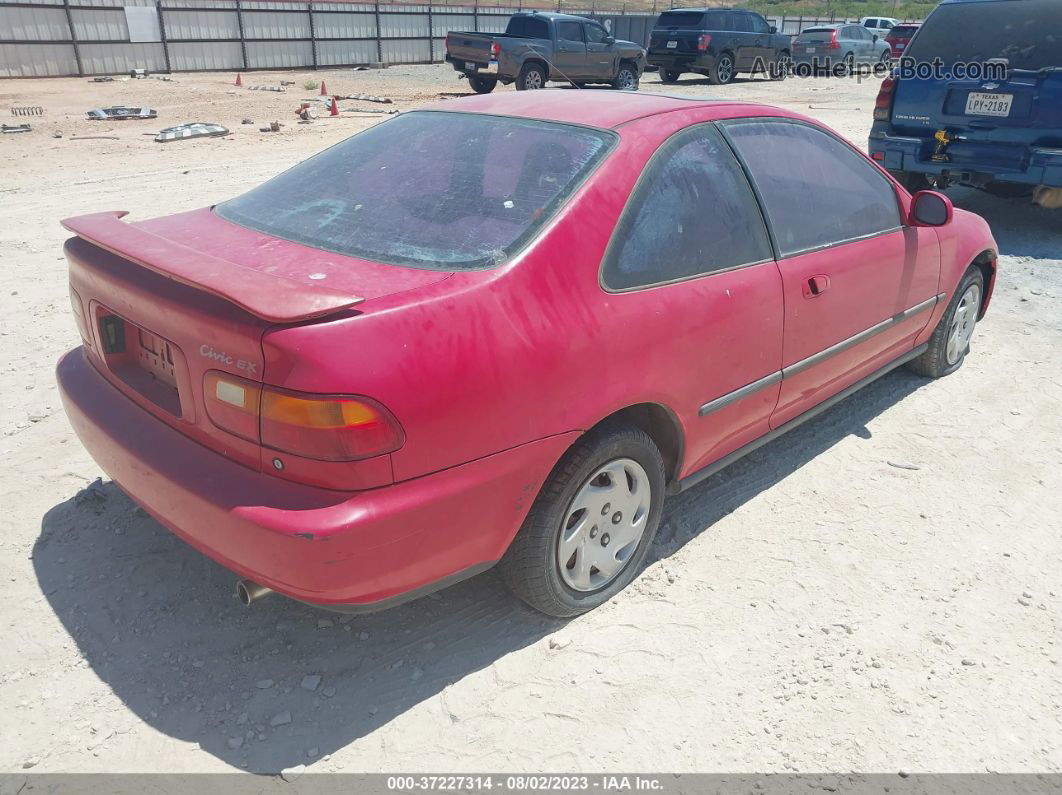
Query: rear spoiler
x=274, y=298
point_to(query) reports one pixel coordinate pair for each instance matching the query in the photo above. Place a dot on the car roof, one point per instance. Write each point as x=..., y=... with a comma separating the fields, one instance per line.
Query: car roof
x=550, y=15
x=594, y=108
x=714, y=8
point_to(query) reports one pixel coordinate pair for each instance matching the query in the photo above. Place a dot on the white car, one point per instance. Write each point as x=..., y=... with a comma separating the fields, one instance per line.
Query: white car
x=879, y=23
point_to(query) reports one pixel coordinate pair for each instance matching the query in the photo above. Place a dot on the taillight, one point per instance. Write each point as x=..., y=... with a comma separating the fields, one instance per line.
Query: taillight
x=323, y=427
x=79, y=315
x=883, y=104
x=703, y=41
x=833, y=45
x=495, y=49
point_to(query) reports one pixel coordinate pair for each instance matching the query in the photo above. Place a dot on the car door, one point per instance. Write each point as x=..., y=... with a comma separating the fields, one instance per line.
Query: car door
x=569, y=54
x=600, y=56
x=691, y=252
x=744, y=40
x=859, y=285
x=761, y=43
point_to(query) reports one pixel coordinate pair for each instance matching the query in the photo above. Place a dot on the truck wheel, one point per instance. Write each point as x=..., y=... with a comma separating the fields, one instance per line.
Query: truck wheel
x=626, y=78
x=951, y=339
x=723, y=71
x=590, y=528
x=532, y=77
x=670, y=75
x=781, y=68
x=482, y=85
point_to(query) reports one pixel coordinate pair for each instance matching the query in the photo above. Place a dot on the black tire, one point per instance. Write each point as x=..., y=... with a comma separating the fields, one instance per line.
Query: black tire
x=626, y=78
x=914, y=181
x=845, y=67
x=482, y=85
x=532, y=77
x=669, y=75
x=781, y=68
x=885, y=62
x=935, y=363
x=723, y=70
x=531, y=566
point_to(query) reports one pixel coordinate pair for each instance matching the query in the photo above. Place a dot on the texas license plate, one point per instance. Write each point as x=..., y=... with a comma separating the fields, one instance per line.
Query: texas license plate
x=978, y=104
x=470, y=67
x=672, y=45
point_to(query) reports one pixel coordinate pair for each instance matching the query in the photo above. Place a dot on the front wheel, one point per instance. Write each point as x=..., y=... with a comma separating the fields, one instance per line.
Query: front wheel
x=590, y=528
x=951, y=339
x=723, y=70
x=626, y=78
x=482, y=85
x=531, y=78
x=670, y=75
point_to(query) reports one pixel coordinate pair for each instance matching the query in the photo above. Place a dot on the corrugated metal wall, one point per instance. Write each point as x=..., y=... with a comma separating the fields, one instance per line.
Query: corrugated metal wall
x=40, y=38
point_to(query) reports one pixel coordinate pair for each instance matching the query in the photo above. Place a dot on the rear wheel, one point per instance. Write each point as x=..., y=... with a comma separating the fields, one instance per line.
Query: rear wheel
x=626, y=78
x=590, y=528
x=531, y=78
x=846, y=66
x=482, y=85
x=885, y=62
x=723, y=70
x=670, y=75
x=781, y=68
x=951, y=339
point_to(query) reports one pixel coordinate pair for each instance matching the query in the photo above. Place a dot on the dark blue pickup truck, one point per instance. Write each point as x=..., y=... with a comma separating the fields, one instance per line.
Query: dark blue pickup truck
x=976, y=99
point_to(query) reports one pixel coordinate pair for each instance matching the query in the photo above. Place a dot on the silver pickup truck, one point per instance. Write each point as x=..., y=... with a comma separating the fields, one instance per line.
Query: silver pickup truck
x=538, y=47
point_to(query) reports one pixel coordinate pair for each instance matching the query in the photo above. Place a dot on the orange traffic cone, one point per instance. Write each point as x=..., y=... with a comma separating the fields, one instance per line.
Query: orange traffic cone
x=239, y=81
x=324, y=91
x=335, y=107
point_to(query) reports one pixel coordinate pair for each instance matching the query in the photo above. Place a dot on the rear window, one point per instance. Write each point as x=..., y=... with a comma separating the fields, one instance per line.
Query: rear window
x=428, y=189
x=681, y=19
x=1028, y=33
x=903, y=31
x=816, y=34
x=528, y=27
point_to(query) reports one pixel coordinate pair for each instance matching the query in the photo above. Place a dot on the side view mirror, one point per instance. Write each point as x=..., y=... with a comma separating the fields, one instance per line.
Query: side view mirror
x=610, y=39
x=774, y=28
x=929, y=208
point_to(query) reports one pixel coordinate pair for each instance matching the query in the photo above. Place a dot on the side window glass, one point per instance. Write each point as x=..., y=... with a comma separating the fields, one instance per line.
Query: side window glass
x=758, y=24
x=691, y=213
x=595, y=34
x=817, y=191
x=742, y=22
x=570, y=31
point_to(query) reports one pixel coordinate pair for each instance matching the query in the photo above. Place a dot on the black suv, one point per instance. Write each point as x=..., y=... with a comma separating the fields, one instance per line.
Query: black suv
x=717, y=42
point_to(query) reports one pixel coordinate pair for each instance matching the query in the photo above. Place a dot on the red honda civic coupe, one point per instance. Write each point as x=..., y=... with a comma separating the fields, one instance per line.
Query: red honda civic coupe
x=500, y=331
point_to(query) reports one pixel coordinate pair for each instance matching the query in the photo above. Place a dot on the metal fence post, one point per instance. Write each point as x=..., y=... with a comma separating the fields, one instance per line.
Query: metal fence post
x=379, y=33
x=73, y=38
x=162, y=35
x=475, y=16
x=313, y=36
x=431, y=35
x=243, y=39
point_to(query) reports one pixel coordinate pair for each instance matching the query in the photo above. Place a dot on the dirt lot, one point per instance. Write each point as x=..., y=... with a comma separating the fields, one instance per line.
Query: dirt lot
x=815, y=607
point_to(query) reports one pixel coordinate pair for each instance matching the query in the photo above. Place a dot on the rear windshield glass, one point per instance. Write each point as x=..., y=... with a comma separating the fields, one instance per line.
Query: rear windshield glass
x=681, y=19
x=902, y=32
x=1026, y=32
x=816, y=34
x=429, y=189
x=528, y=27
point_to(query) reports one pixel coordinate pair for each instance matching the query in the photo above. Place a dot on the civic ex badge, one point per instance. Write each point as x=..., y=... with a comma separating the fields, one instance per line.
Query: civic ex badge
x=223, y=358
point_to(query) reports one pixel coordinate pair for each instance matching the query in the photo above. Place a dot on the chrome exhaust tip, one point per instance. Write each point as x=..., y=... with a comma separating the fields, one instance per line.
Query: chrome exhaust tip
x=250, y=592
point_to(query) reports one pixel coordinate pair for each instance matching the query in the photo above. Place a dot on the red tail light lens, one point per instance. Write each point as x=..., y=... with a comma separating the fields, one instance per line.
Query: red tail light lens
x=833, y=45
x=883, y=104
x=495, y=49
x=703, y=41
x=322, y=427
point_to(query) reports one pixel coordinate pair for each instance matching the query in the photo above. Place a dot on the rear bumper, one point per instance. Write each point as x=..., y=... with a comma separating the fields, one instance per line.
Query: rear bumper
x=350, y=551
x=482, y=69
x=683, y=62
x=902, y=153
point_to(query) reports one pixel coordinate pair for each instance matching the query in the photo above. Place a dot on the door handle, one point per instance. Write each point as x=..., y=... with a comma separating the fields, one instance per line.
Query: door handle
x=816, y=286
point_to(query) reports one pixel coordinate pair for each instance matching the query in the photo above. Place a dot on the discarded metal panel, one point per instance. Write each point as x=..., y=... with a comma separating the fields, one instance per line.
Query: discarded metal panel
x=14, y=128
x=195, y=129
x=120, y=112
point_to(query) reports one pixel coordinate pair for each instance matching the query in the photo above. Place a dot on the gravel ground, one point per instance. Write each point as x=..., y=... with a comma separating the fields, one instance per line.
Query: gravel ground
x=816, y=607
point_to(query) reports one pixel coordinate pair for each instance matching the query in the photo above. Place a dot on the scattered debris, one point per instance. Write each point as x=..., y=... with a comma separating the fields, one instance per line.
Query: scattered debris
x=194, y=129
x=264, y=684
x=306, y=112
x=310, y=682
x=138, y=73
x=163, y=78
x=287, y=82
x=289, y=774
x=903, y=465
x=14, y=128
x=366, y=98
x=274, y=126
x=121, y=112
x=95, y=137
x=27, y=110
x=57, y=134
x=102, y=80
x=280, y=719
x=278, y=89
x=247, y=121
x=370, y=110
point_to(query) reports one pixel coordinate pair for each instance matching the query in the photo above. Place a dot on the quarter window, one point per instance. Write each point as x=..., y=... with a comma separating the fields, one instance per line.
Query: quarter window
x=692, y=213
x=816, y=190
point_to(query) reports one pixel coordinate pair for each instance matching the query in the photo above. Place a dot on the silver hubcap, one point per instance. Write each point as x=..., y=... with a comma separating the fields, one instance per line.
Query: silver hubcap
x=626, y=80
x=533, y=80
x=962, y=324
x=603, y=525
x=726, y=70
